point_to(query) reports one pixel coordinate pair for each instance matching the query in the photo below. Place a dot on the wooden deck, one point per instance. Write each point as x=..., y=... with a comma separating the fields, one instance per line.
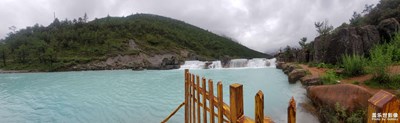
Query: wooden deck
x=201, y=105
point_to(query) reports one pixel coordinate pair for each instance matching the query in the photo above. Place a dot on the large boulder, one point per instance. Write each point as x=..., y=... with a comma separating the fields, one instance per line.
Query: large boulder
x=387, y=28
x=311, y=80
x=296, y=74
x=279, y=65
x=170, y=63
x=289, y=68
x=349, y=96
x=348, y=40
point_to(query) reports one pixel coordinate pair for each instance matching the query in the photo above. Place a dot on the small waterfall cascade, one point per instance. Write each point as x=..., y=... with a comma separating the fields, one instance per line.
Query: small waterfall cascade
x=233, y=63
x=193, y=65
x=258, y=62
x=236, y=63
x=215, y=65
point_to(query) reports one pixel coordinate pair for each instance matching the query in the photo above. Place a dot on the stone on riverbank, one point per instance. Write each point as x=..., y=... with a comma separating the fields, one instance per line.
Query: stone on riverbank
x=296, y=74
x=349, y=96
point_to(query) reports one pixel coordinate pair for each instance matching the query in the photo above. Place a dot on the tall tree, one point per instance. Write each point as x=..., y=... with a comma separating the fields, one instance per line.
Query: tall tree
x=356, y=19
x=302, y=42
x=85, y=18
x=323, y=27
x=4, y=51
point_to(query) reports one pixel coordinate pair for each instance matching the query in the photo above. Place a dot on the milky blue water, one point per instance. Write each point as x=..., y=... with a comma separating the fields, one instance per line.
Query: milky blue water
x=132, y=96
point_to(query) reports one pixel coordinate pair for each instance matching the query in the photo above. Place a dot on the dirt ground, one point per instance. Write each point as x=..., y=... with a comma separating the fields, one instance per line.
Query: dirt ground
x=361, y=79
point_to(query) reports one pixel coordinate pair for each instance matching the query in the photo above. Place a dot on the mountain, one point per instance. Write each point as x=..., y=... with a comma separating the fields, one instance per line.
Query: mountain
x=135, y=41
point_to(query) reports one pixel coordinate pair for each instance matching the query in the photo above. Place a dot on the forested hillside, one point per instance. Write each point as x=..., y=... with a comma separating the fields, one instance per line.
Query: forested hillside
x=67, y=43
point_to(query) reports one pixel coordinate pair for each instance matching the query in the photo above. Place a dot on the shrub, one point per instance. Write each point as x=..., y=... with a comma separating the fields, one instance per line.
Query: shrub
x=356, y=83
x=381, y=58
x=330, y=77
x=339, y=114
x=353, y=64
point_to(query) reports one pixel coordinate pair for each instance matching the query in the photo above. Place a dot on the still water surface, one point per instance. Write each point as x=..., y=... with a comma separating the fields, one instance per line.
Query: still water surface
x=133, y=96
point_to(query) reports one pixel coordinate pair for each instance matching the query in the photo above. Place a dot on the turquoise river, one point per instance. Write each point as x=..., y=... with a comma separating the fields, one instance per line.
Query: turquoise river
x=134, y=96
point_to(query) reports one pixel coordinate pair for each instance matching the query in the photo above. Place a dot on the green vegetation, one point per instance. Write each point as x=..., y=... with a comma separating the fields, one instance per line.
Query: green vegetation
x=323, y=27
x=353, y=64
x=70, y=42
x=330, y=77
x=381, y=58
x=321, y=65
x=356, y=82
x=339, y=114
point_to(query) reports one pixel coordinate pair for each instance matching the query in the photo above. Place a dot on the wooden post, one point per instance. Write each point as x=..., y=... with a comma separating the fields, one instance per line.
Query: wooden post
x=211, y=95
x=204, y=100
x=383, y=102
x=190, y=97
x=193, y=101
x=198, y=98
x=186, y=95
x=220, y=103
x=292, y=111
x=236, y=102
x=259, y=108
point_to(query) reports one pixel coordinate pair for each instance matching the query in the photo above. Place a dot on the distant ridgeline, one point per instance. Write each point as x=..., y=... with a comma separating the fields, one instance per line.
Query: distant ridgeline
x=136, y=41
x=374, y=25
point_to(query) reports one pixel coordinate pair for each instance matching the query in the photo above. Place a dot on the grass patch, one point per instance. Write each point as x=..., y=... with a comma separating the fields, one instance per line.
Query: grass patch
x=356, y=82
x=339, y=114
x=393, y=82
x=353, y=64
x=330, y=77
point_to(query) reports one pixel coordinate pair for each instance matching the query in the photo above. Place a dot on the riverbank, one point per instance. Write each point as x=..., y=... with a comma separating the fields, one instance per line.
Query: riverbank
x=348, y=95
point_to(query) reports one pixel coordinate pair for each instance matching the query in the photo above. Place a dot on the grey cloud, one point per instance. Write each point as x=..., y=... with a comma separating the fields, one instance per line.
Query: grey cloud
x=263, y=25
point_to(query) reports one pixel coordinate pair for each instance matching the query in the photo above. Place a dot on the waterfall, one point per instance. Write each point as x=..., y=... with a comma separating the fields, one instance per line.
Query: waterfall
x=215, y=65
x=234, y=63
x=258, y=62
x=201, y=65
x=193, y=65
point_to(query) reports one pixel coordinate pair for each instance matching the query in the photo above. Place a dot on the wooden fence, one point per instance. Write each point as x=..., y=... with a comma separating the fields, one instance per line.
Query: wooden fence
x=200, y=103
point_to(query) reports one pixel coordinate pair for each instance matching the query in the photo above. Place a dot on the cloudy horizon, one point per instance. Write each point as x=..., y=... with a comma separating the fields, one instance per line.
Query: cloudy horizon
x=264, y=26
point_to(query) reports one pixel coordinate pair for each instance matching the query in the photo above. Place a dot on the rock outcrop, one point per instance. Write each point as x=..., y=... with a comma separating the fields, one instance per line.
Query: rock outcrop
x=388, y=28
x=135, y=62
x=311, y=80
x=293, y=71
x=344, y=40
x=169, y=63
x=350, y=40
x=296, y=74
x=349, y=96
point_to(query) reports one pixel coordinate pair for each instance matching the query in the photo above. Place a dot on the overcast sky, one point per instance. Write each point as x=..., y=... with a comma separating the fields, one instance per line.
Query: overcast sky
x=263, y=25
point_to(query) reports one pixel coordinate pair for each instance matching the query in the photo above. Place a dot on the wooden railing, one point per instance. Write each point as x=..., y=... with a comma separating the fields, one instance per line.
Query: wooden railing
x=201, y=103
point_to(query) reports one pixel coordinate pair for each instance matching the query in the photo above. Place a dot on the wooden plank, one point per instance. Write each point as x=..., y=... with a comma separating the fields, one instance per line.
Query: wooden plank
x=186, y=95
x=204, y=100
x=215, y=114
x=220, y=102
x=173, y=113
x=193, y=102
x=211, y=93
x=190, y=97
x=259, y=108
x=198, y=98
x=236, y=102
x=292, y=111
x=226, y=108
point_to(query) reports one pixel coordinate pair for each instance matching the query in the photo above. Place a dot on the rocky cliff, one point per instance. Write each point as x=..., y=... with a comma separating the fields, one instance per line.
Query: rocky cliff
x=347, y=40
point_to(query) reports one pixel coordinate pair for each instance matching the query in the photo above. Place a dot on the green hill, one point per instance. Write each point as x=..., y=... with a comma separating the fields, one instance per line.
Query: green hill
x=68, y=43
